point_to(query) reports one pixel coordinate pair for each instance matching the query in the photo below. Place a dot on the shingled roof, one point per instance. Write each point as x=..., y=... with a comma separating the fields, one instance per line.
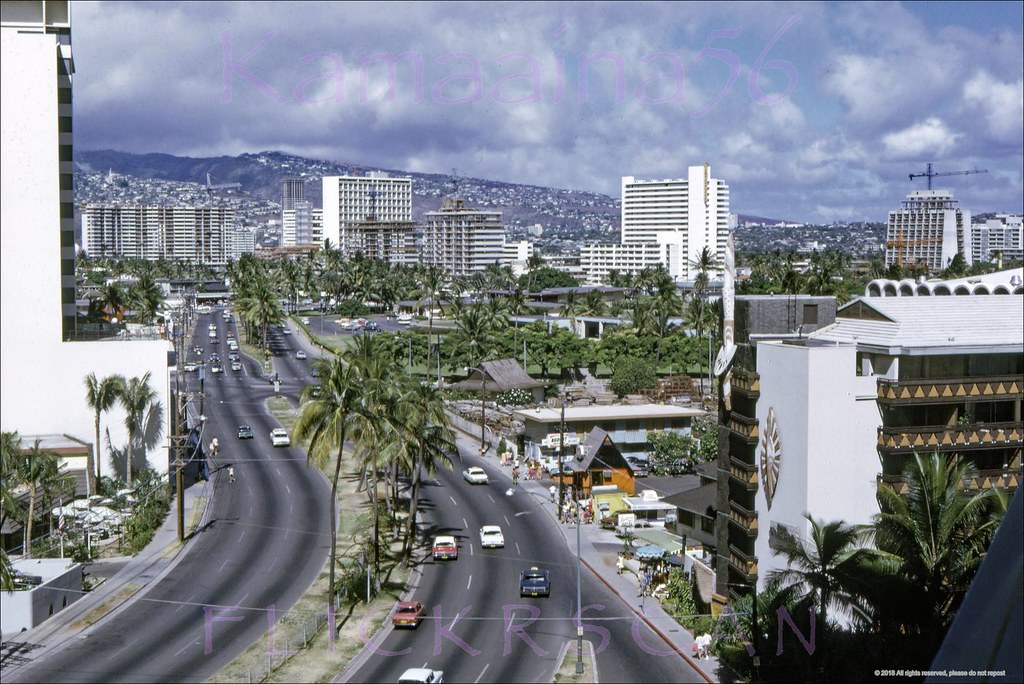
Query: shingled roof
x=502, y=375
x=589, y=449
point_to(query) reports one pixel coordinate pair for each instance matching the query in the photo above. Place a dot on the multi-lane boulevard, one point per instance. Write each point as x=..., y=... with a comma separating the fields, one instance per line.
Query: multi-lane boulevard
x=266, y=538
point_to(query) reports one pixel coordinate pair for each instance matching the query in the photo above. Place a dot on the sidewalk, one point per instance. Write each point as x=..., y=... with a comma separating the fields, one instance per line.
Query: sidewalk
x=129, y=584
x=598, y=551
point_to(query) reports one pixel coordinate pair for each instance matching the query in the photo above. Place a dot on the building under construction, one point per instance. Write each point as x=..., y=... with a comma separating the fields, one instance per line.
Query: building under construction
x=927, y=231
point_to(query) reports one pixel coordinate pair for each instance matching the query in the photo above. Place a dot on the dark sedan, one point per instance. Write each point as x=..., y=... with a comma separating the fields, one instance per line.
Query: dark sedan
x=244, y=432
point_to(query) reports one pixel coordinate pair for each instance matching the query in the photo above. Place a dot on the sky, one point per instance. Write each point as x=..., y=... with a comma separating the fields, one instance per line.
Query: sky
x=809, y=112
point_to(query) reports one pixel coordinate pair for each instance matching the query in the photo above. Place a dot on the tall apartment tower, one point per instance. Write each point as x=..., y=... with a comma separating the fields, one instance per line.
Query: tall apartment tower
x=296, y=213
x=200, y=235
x=682, y=215
x=353, y=202
x=998, y=239
x=37, y=262
x=929, y=229
x=462, y=240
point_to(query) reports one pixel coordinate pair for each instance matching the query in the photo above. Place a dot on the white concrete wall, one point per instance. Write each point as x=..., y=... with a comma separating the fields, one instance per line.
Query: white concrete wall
x=62, y=586
x=42, y=386
x=827, y=420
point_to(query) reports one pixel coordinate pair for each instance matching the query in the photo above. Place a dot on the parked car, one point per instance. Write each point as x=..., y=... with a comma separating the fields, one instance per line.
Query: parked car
x=638, y=467
x=491, y=537
x=279, y=437
x=680, y=466
x=421, y=675
x=475, y=475
x=244, y=432
x=445, y=548
x=407, y=614
x=535, y=582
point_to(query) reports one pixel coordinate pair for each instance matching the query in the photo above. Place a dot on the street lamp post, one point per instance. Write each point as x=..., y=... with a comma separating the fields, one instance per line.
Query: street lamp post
x=483, y=407
x=579, y=602
x=561, y=455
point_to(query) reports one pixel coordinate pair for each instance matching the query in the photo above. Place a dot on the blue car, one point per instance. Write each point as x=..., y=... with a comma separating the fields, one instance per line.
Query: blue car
x=535, y=582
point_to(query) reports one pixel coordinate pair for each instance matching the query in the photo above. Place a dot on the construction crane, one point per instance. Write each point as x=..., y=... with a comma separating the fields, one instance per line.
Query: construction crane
x=210, y=187
x=929, y=174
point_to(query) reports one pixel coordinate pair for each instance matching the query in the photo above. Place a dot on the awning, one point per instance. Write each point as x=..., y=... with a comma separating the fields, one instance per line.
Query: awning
x=650, y=552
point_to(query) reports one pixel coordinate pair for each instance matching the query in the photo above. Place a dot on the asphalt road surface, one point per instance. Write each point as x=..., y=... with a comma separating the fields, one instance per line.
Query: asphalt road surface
x=266, y=541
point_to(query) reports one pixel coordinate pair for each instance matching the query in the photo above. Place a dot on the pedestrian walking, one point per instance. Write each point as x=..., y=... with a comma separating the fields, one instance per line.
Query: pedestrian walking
x=231, y=474
x=620, y=564
x=553, y=490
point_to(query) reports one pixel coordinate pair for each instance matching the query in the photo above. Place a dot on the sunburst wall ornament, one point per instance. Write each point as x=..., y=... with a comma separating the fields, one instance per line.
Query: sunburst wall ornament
x=771, y=456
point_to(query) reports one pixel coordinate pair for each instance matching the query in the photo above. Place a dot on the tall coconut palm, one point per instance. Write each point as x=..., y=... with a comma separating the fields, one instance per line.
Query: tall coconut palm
x=936, y=536
x=324, y=417
x=137, y=398
x=100, y=395
x=10, y=457
x=831, y=571
x=114, y=300
x=145, y=297
x=34, y=468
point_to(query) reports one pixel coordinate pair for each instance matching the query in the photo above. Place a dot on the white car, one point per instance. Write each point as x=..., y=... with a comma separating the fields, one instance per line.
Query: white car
x=475, y=475
x=279, y=437
x=191, y=367
x=421, y=675
x=213, y=334
x=236, y=366
x=300, y=355
x=491, y=537
x=286, y=331
x=404, y=319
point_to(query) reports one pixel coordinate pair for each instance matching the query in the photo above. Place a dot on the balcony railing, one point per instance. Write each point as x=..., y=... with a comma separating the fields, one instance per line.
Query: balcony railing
x=743, y=426
x=950, y=437
x=950, y=389
x=744, y=518
x=747, y=565
x=748, y=383
x=745, y=473
x=1001, y=478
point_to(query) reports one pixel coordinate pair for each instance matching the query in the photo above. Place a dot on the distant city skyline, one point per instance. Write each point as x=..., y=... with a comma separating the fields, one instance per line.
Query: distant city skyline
x=810, y=112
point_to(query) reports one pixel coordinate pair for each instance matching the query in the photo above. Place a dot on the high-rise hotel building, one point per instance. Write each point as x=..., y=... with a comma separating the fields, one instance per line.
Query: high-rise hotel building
x=928, y=230
x=667, y=222
x=296, y=213
x=42, y=361
x=370, y=214
x=462, y=240
x=200, y=235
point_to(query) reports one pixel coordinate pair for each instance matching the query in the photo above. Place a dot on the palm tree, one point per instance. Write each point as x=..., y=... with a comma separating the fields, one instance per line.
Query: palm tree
x=10, y=459
x=831, y=571
x=324, y=418
x=34, y=468
x=432, y=282
x=137, y=398
x=100, y=395
x=666, y=305
x=935, y=536
x=114, y=300
x=145, y=297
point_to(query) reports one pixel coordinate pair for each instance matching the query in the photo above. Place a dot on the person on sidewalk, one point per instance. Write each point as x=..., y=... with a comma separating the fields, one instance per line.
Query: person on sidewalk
x=553, y=490
x=620, y=564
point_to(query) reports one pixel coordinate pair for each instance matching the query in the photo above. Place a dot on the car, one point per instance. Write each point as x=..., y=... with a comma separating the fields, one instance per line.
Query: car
x=304, y=320
x=407, y=614
x=214, y=340
x=231, y=335
x=236, y=366
x=421, y=675
x=404, y=319
x=300, y=355
x=279, y=437
x=217, y=368
x=535, y=582
x=191, y=367
x=445, y=548
x=491, y=537
x=213, y=334
x=475, y=475
x=372, y=327
x=244, y=432
x=233, y=356
x=286, y=331
x=680, y=466
x=638, y=467
x=212, y=327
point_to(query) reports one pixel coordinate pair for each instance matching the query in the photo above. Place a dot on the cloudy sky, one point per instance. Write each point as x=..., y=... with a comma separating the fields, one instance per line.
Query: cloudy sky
x=809, y=112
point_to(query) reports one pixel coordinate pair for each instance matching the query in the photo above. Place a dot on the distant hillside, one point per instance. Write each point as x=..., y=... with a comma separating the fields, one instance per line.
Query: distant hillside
x=571, y=214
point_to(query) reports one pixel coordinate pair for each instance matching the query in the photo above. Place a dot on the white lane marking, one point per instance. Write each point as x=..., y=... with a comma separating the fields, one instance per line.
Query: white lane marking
x=454, y=620
x=226, y=561
x=521, y=513
x=481, y=675
x=288, y=489
x=492, y=501
x=453, y=501
x=183, y=649
x=242, y=535
x=465, y=524
x=513, y=616
x=517, y=549
x=469, y=584
x=506, y=520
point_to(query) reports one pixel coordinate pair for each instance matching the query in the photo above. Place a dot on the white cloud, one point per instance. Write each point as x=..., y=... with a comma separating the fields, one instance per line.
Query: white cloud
x=1000, y=104
x=929, y=139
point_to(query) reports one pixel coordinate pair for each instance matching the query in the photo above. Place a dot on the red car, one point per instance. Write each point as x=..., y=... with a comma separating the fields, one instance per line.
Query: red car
x=445, y=548
x=407, y=614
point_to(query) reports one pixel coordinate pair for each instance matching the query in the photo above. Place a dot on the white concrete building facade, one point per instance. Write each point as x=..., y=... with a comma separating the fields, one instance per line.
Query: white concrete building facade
x=930, y=229
x=351, y=201
x=462, y=240
x=1001, y=238
x=202, y=235
x=42, y=368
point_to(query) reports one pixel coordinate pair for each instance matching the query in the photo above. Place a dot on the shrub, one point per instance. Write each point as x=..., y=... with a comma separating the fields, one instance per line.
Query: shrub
x=514, y=397
x=632, y=374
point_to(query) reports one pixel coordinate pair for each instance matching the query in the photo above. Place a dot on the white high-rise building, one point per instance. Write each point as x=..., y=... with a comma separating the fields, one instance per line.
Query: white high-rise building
x=998, y=238
x=201, y=235
x=354, y=201
x=462, y=240
x=517, y=255
x=296, y=213
x=668, y=222
x=316, y=226
x=42, y=365
x=929, y=229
